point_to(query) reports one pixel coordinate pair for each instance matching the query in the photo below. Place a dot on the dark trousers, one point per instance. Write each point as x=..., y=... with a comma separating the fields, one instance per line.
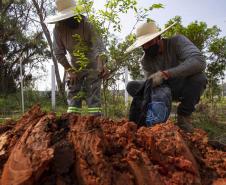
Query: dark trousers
x=185, y=90
x=87, y=87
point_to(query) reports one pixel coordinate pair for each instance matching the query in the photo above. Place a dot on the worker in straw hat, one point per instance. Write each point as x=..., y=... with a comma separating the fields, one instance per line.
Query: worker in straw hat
x=174, y=61
x=86, y=82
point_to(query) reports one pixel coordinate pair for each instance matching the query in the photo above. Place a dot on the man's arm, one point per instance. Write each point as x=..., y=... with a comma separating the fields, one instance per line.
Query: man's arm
x=145, y=72
x=192, y=61
x=59, y=50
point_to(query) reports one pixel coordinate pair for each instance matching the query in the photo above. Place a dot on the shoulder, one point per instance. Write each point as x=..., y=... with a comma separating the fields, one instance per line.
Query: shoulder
x=179, y=39
x=86, y=22
x=176, y=38
x=56, y=31
x=58, y=28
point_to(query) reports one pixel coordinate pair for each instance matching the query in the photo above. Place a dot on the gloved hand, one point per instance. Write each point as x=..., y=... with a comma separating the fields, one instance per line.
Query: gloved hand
x=158, y=77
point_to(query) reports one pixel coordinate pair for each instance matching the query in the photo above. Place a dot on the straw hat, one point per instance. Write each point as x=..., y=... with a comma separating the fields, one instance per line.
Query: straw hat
x=145, y=33
x=65, y=10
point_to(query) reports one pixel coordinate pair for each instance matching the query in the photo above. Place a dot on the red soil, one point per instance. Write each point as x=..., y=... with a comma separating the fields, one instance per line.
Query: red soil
x=43, y=149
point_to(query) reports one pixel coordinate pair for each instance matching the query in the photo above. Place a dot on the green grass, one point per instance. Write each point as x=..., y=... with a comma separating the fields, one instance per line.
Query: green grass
x=10, y=105
x=212, y=120
x=213, y=129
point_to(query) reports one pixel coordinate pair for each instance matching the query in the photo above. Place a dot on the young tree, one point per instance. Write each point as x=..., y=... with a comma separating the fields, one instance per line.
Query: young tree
x=107, y=23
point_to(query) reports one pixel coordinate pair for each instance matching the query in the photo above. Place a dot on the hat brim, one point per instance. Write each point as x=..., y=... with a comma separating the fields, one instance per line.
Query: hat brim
x=59, y=16
x=146, y=38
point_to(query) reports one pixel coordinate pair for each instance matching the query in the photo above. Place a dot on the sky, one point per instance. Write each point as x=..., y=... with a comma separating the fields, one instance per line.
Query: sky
x=210, y=11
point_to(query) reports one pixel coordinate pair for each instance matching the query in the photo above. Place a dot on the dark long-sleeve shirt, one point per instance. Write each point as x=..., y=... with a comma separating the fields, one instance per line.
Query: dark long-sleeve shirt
x=180, y=57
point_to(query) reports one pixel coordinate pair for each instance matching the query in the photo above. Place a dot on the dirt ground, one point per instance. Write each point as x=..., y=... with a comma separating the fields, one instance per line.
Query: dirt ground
x=42, y=149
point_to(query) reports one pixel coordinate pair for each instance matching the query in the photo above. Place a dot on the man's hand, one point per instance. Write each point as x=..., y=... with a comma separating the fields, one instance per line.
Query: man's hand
x=104, y=74
x=101, y=68
x=71, y=78
x=158, y=77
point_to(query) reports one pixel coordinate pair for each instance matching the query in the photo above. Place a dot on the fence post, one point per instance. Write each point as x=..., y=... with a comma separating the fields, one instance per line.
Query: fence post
x=53, y=89
x=222, y=81
x=21, y=85
x=126, y=82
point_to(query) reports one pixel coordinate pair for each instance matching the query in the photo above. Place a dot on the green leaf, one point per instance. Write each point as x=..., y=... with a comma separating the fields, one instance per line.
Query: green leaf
x=150, y=20
x=156, y=6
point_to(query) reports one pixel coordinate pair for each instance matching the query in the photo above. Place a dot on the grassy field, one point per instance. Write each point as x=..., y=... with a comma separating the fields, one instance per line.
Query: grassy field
x=10, y=105
x=209, y=117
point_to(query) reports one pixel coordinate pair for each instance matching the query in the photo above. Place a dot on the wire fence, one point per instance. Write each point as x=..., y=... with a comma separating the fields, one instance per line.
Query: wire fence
x=114, y=105
x=11, y=105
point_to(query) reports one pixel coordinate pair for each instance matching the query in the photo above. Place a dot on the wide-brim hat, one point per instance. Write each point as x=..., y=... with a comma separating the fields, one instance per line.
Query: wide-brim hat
x=145, y=33
x=64, y=10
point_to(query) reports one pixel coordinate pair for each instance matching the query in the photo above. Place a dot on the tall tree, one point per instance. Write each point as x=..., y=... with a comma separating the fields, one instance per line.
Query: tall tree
x=17, y=43
x=41, y=10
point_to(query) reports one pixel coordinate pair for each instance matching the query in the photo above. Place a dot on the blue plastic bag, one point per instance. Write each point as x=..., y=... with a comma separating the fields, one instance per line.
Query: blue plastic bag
x=159, y=108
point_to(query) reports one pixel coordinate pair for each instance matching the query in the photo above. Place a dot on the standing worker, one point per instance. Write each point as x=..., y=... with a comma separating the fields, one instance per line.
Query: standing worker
x=174, y=61
x=85, y=83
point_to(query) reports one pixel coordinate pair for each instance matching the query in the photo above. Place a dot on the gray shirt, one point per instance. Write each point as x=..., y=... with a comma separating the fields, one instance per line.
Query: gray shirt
x=180, y=58
x=63, y=41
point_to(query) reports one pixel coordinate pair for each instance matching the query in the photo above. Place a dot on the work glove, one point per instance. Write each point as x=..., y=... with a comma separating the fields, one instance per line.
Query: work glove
x=158, y=78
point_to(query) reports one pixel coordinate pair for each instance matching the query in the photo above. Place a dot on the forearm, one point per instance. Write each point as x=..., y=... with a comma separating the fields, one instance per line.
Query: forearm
x=190, y=66
x=63, y=61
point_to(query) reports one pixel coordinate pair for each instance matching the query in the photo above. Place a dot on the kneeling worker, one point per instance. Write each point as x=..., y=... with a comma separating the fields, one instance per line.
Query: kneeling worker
x=174, y=61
